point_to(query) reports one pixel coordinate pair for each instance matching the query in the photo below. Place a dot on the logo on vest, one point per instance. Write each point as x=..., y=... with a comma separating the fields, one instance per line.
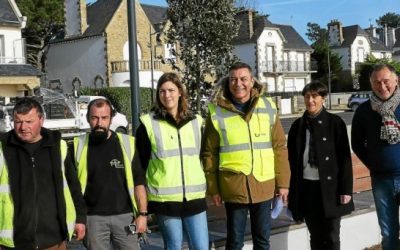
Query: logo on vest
x=116, y=164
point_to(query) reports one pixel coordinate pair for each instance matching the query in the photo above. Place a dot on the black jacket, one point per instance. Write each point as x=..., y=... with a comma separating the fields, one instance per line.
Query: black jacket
x=333, y=159
x=36, y=199
x=380, y=157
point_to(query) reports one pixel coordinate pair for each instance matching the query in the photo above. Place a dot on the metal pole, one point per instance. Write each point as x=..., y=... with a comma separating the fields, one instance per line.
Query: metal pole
x=329, y=80
x=133, y=65
x=152, y=67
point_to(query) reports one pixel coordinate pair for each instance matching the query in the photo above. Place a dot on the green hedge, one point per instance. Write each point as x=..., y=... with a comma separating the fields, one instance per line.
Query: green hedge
x=120, y=97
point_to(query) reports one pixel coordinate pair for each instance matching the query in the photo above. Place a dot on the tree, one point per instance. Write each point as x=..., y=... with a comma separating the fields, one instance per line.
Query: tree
x=315, y=32
x=390, y=19
x=320, y=55
x=45, y=19
x=204, y=31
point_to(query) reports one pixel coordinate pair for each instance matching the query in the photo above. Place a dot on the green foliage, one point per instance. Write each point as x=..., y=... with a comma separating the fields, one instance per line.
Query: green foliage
x=320, y=55
x=120, y=97
x=364, y=70
x=391, y=19
x=45, y=18
x=204, y=30
x=315, y=32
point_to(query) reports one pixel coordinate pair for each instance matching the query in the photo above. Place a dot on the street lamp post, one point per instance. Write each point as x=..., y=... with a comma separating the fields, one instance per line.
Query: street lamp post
x=133, y=65
x=329, y=79
x=152, y=62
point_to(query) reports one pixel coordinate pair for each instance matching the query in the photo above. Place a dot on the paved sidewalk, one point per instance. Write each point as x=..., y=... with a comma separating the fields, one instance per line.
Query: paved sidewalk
x=217, y=224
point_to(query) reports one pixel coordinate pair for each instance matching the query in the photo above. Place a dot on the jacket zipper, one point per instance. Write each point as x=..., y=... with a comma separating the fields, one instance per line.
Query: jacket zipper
x=252, y=163
x=182, y=170
x=36, y=201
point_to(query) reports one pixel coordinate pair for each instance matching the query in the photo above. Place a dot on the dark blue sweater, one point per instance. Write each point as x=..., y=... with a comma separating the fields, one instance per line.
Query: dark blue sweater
x=378, y=155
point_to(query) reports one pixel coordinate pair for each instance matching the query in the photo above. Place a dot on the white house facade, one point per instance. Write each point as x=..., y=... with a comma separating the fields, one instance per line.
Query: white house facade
x=16, y=77
x=279, y=56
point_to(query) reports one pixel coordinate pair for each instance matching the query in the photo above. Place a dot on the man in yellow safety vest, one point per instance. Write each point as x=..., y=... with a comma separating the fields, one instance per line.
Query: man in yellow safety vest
x=112, y=182
x=245, y=156
x=41, y=201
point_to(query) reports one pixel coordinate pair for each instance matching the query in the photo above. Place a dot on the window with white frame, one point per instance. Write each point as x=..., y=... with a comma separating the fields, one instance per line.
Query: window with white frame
x=168, y=51
x=2, y=49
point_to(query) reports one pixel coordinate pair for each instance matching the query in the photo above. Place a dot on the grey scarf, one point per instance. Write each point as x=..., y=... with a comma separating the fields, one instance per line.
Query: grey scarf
x=390, y=128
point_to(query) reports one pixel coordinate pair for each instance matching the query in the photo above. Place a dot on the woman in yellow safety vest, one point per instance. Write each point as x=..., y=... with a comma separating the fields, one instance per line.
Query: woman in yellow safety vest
x=168, y=141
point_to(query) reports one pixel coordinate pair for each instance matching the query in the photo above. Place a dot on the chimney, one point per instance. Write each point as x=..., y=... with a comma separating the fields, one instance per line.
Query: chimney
x=83, y=15
x=75, y=17
x=250, y=23
x=372, y=31
x=246, y=19
x=335, y=32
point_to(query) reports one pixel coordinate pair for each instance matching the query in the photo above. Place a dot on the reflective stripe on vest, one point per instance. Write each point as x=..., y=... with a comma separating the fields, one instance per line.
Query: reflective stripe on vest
x=128, y=151
x=69, y=203
x=7, y=204
x=246, y=147
x=174, y=170
x=164, y=153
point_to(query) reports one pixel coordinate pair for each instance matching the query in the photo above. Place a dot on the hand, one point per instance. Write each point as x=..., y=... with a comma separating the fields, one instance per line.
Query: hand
x=344, y=199
x=217, y=200
x=80, y=230
x=283, y=193
x=141, y=224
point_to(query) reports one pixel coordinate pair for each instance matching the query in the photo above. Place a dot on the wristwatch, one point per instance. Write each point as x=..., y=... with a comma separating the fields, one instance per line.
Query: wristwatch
x=143, y=214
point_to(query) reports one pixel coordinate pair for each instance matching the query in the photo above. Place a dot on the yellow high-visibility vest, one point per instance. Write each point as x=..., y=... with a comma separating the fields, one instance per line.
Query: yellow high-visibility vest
x=7, y=203
x=174, y=172
x=246, y=147
x=128, y=151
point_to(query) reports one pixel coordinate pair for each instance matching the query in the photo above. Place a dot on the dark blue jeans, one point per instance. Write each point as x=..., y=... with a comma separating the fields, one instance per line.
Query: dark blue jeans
x=386, y=193
x=236, y=218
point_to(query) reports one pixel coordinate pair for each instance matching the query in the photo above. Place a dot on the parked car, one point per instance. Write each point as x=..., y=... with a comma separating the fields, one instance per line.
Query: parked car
x=65, y=115
x=356, y=99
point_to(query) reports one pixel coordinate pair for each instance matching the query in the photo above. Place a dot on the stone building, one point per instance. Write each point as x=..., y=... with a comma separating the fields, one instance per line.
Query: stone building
x=94, y=51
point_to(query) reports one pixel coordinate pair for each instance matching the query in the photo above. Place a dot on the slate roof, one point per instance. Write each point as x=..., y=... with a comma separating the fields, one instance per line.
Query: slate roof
x=293, y=40
x=156, y=14
x=18, y=70
x=99, y=14
x=351, y=32
x=7, y=14
x=259, y=23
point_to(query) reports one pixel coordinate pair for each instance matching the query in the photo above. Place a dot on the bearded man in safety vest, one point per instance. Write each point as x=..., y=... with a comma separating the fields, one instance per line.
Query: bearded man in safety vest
x=245, y=156
x=41, y=202
x=112, y=182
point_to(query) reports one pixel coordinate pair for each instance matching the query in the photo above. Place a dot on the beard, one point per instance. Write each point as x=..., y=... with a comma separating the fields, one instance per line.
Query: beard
x=98, y=135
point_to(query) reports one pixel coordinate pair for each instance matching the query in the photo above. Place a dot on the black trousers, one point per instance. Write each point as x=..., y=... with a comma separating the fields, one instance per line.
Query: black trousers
x=324, y=232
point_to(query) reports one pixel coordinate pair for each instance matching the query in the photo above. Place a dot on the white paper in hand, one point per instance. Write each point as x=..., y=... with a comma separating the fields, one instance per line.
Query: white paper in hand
x=277, y=207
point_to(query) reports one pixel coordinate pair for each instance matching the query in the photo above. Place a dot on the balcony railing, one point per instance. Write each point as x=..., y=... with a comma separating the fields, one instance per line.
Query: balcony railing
x=144, y=65
x=12, y=60
x=288, y=66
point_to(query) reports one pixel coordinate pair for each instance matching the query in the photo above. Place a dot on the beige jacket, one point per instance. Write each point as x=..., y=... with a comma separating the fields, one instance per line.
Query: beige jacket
x=234, y=187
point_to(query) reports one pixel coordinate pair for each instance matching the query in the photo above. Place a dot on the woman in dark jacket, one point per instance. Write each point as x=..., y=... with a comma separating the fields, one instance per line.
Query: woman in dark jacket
x=321, y=181
x=168, y=140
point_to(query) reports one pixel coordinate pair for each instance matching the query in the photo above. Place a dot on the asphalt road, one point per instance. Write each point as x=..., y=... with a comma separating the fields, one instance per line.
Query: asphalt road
x=346, y=115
